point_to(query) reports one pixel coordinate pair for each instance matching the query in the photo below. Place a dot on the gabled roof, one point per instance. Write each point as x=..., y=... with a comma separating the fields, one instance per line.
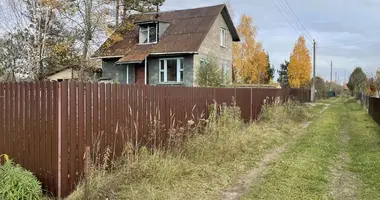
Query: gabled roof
x=186, y=32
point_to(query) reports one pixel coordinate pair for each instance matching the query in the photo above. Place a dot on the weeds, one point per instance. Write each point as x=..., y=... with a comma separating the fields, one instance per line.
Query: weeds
x=278, y=112
x=198, y=166
x=17, y=183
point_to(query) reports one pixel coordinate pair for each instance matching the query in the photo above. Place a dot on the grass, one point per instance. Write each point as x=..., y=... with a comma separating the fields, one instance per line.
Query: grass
x=364, y=149
x=205, y=165
x=303, y=171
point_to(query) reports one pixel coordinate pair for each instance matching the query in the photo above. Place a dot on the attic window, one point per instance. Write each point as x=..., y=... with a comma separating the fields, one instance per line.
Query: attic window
x=148, y=33
x=222, y=37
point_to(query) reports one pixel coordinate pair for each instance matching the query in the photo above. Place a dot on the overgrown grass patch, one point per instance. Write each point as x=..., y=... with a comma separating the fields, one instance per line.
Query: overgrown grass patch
x=202, y=168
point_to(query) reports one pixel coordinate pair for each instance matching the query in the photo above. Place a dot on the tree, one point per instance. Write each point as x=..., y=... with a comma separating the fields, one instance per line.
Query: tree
x=320, y=87
x=283, y=74
x=370, y=88
x=36, y=32
x=209, y=73
x=249, y=58
x=299, y=65
x=270, y=70
x=377, y=81
x=13, y=55
x=351, y=87
x=357, y=80
x=136, y=5
x=320, y=84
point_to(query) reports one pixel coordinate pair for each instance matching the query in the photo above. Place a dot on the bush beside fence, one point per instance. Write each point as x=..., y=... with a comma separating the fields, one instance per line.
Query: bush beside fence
x=46, y=126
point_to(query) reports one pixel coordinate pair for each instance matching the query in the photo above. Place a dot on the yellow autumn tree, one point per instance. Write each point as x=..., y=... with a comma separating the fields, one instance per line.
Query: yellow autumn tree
x=249, y=58
x=299, y=65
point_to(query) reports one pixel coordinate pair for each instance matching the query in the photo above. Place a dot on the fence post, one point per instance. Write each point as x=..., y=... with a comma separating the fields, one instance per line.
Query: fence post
x=86, y=171
x=251, y=105
x=59, y=189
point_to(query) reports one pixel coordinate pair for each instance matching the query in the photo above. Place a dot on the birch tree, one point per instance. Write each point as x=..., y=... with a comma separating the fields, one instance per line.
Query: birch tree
x=37, y=22
x=249, y=58
x=299, y=68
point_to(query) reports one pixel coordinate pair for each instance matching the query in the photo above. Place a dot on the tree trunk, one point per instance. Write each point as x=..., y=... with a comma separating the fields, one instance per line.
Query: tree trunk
x=124, y=9
x=87, y=36
x=117, y=13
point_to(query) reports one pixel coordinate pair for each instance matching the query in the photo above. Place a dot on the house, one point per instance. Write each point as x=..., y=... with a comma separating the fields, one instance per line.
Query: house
x=62, y=74
x=168, y=47
x=68, y=73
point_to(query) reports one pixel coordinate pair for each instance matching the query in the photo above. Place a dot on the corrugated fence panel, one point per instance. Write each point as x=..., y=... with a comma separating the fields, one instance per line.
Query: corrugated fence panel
x=374, y=109
x=45, y=126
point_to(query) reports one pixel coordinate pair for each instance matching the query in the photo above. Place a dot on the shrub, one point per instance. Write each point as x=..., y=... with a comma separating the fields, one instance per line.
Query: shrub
x=209, y=73
x=17, y=183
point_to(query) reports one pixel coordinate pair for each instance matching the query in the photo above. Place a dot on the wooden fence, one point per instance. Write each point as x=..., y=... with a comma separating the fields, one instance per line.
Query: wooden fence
x=45, y=126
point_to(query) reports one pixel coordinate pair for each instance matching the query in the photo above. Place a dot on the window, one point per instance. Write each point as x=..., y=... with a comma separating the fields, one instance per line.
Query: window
x=222, y=37
x=171, y=70
x=148, y=33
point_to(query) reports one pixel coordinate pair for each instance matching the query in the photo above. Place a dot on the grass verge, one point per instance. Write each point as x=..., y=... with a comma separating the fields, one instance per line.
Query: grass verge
x=203, y=167
x=364, y=149
x=303, y=171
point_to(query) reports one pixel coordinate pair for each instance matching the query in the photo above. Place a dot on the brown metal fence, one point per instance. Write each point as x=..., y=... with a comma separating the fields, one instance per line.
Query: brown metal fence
x=28, y=128
x=374, y=108
x=45, y=126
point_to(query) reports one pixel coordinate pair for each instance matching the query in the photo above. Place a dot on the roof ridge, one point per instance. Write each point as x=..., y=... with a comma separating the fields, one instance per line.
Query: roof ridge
x=166, y=11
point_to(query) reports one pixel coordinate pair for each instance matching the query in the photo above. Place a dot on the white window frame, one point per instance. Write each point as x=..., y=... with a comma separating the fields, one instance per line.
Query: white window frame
x=222, y=37
x=148, y=29
x=165, y=69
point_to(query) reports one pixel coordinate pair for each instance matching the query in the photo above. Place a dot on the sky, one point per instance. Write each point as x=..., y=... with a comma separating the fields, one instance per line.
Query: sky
x=346, y=31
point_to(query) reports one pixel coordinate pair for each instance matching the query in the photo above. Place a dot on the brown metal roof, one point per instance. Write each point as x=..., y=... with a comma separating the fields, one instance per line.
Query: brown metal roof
x=186, y=32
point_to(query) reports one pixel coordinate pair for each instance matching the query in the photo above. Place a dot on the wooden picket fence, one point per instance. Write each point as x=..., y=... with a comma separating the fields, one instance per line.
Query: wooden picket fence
x=46, y=126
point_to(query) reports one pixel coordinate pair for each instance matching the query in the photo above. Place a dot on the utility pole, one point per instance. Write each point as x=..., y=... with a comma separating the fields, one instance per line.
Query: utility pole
x=313, y=85
x=344, y=82
x=330, y=75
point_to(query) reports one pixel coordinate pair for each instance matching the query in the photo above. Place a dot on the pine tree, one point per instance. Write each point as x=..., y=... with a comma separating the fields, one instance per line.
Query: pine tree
x=270, y=70
x=283, y=74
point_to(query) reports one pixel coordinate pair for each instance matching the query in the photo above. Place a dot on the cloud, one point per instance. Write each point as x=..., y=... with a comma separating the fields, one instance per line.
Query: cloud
x=334, y=24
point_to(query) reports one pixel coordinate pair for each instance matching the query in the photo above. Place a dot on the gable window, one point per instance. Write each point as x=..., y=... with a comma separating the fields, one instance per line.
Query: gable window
x=148, y=33
x=222, y=37
x=171, y=70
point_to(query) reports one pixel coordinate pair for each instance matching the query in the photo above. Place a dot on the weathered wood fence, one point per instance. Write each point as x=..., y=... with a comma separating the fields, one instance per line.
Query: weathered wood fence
x=45, y=126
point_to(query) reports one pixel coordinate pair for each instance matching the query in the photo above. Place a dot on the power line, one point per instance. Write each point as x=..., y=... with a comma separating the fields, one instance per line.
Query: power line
x=286, y=18
x=343, y=45
x=295, y=18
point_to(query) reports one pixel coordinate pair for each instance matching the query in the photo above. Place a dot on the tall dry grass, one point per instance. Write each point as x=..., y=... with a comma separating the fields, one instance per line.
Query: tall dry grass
x=201, y=165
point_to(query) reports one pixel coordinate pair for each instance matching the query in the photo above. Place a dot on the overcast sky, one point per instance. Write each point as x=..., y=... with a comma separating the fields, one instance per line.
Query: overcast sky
x=346, y=31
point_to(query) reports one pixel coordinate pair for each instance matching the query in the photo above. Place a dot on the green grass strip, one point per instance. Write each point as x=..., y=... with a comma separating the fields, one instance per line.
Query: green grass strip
x=364, y=150
x=303, y=171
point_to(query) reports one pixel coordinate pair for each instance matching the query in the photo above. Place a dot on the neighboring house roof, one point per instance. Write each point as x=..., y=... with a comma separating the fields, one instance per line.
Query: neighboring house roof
x=185, y=34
